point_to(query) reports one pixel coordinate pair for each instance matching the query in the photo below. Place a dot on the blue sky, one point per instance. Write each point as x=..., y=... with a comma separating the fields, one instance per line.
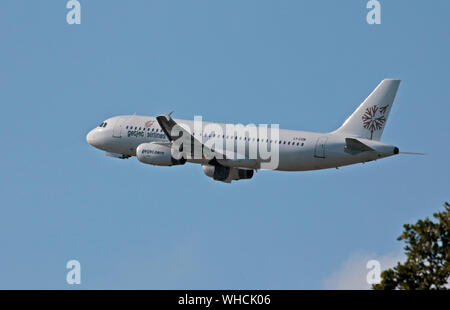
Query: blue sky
x=302, y=64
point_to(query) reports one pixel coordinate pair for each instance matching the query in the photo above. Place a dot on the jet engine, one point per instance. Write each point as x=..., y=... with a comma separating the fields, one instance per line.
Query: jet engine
x=157, y=154
x=226, y=174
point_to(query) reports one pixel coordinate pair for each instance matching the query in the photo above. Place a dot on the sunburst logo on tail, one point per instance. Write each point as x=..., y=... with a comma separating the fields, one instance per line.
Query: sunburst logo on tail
x=374, y=118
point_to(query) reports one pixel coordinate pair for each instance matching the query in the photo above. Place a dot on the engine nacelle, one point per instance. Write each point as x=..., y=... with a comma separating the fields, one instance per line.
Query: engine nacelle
x=226, y=174
x=157, y=154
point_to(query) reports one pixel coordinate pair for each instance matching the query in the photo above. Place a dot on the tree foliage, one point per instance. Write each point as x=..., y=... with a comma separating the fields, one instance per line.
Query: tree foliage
x=428, y=256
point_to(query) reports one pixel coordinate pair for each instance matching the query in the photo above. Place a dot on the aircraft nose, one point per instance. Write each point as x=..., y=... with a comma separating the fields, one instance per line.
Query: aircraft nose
x=90, y=137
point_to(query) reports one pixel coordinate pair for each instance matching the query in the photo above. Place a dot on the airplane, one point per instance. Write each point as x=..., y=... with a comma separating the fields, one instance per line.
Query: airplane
x=153, y=141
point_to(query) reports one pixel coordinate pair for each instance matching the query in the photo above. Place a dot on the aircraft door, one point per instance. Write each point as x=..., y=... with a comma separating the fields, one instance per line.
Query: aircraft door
x=319, y=150
x=117, y=131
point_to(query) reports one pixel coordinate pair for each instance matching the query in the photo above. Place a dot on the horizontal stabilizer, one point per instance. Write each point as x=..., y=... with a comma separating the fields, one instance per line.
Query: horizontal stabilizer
x=356, y=145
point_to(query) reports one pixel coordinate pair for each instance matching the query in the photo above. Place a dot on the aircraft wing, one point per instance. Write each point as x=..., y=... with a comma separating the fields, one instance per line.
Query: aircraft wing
x=175, y=131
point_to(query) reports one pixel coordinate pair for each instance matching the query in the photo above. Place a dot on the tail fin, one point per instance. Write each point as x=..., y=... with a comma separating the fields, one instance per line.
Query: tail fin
x=370, y=117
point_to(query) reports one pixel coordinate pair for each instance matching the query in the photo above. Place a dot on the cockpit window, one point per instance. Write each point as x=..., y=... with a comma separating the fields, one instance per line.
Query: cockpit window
x=104, y=124
x=101, y=125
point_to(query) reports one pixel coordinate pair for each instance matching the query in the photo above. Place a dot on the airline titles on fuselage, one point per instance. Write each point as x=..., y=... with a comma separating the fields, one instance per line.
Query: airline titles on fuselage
x=142, y=134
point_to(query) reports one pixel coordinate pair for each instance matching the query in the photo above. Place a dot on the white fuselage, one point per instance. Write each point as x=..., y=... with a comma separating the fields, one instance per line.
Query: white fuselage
x=298, y=150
